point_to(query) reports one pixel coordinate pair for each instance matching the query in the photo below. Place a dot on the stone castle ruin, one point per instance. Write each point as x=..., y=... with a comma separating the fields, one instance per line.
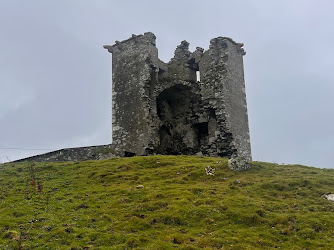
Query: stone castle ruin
x=194, y=104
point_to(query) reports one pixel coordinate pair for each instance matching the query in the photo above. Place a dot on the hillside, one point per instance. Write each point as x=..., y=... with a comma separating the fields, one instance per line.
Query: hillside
x=100, y=205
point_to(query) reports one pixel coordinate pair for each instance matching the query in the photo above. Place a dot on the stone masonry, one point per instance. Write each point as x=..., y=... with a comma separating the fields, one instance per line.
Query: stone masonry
x=194, y=104
x=100, y=152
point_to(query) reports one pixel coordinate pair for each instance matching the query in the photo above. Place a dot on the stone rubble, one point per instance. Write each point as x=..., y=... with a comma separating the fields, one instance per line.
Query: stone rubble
x=210, y=170
x=329, y=197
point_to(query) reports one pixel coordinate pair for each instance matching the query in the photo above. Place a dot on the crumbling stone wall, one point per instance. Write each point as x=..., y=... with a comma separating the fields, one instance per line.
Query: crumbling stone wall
x=100, y=152
x=162, y=108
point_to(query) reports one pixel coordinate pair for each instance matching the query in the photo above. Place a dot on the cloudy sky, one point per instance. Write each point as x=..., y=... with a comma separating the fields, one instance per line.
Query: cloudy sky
x=55, y=77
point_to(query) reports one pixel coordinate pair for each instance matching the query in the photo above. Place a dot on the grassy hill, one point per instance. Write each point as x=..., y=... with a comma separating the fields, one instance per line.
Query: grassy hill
x=99, y=205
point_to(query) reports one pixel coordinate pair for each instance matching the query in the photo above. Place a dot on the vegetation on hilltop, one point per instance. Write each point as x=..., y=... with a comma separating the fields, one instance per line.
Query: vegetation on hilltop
x=99, y=205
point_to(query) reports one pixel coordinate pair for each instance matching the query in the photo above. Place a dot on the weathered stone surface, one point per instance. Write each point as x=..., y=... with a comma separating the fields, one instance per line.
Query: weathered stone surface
x=239, y=163
x=75, y=154
x=161, y=107
x=329, y=197
x=210, y=170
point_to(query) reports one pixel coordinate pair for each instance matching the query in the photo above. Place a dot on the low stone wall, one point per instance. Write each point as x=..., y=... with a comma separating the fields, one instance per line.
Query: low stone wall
x=75, y=154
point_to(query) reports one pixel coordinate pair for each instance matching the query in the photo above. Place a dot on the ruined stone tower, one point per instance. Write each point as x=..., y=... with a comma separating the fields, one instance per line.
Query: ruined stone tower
x=163, y=108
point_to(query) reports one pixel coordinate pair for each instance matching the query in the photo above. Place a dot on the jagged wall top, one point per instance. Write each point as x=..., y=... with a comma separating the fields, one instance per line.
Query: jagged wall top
x=148, y=37
x=182, y=50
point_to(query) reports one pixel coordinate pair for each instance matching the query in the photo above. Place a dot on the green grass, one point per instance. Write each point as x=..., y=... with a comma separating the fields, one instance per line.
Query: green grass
x=96, y=205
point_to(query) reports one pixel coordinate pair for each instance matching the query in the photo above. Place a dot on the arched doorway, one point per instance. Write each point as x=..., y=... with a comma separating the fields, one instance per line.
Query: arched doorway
x=183, y=121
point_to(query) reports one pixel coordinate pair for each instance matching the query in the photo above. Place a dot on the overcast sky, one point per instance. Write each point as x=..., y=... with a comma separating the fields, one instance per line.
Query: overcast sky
x=55, y=76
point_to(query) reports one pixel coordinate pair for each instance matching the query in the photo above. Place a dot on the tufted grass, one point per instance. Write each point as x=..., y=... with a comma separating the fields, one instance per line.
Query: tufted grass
x=96, y=205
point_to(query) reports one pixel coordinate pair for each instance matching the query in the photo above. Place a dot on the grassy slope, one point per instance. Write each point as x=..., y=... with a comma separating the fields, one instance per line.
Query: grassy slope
x=96, y=205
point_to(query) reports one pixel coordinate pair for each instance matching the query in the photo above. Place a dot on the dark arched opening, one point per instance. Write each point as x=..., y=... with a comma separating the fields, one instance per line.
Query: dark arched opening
x=184, y=124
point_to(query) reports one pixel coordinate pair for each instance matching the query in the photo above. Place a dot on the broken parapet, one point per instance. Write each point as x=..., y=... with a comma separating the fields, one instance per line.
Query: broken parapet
x=163, y=108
